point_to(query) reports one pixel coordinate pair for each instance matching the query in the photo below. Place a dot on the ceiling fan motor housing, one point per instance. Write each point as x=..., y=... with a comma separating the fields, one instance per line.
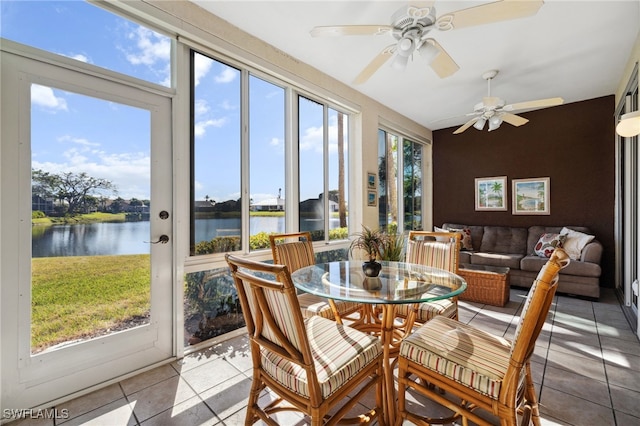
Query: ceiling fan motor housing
x=412, y=19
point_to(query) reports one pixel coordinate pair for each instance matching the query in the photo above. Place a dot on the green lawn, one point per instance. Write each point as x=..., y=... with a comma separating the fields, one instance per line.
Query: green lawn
x=76, y=297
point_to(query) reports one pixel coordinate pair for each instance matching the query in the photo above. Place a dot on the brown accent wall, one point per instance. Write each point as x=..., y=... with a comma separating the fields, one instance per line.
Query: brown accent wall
x=572, y=144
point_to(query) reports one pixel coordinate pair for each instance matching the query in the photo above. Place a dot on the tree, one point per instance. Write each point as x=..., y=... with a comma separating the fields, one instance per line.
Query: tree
x=71, y=189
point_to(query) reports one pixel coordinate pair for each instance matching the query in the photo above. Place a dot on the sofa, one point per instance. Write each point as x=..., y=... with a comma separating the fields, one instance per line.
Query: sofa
x=520, y=249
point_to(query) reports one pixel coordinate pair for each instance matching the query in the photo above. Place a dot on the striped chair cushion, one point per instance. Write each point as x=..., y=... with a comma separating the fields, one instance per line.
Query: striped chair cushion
x=429, y=310
x=472, y=357
x=295, y=255
x=437, y=254
x=315, y=305
x=339, y=352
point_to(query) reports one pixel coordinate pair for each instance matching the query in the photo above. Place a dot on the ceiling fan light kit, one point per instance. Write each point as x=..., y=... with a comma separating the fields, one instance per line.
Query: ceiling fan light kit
x=496, y=111
x=411, y=24
x=629, y=125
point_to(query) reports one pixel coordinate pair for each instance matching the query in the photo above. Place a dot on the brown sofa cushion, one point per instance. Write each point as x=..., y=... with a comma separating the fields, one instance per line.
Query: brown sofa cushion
x=585, y=269
x=497, y=259
x=503, y=239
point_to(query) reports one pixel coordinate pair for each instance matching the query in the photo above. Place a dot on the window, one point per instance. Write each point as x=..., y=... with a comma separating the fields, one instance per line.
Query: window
x=235, y=153
x=399, y=202
x=322, y=170
x=107, y=40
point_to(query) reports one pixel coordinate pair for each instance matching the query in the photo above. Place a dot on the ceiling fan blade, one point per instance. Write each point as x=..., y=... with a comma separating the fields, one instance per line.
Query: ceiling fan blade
x=442, y=64
x=345, y=30
x=466, y=125
x=514, y=120
x=487, y=13
x=375, y=64
x=540, y=103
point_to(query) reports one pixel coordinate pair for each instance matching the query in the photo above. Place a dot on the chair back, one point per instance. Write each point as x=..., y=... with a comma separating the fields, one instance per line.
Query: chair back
x=293, y=249
x=532, y=319
x=436, y=249
x=272, y=313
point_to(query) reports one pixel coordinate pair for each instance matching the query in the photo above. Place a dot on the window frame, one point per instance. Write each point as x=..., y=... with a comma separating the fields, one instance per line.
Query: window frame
x=426, y=170
x=291, y=145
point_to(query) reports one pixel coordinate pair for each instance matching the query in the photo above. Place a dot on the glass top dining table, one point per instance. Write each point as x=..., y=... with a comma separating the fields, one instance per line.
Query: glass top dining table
x=398, y=283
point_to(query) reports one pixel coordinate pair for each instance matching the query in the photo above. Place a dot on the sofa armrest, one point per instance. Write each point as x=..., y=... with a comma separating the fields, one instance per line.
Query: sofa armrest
x=592, y=252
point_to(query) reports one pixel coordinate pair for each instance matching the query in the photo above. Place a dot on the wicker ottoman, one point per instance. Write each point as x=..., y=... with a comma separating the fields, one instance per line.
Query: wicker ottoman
x=485, y=284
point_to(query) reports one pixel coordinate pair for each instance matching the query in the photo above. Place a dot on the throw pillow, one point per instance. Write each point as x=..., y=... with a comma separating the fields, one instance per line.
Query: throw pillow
x=443, y=239
x=465, y=239
x=548, y=243
x=575, y=242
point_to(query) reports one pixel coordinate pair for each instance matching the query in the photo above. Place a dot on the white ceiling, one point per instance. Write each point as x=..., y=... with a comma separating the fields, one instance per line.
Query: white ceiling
x=574, y=49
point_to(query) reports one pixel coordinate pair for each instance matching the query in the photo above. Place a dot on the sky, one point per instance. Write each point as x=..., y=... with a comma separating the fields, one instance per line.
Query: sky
x=72, y=132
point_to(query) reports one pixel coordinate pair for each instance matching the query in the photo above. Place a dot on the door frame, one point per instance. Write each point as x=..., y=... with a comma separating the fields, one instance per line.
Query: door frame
x=34, y=380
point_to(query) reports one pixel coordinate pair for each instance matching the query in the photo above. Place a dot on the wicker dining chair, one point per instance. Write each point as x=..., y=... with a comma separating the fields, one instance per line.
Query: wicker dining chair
x=477, y=369
x=295, y=250
x=314, y=365
x=439, y=250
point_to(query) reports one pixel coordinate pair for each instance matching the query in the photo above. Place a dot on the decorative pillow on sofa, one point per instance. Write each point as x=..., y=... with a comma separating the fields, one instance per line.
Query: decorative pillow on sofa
x=465, y=239
x=548, y=243
x=575, y=242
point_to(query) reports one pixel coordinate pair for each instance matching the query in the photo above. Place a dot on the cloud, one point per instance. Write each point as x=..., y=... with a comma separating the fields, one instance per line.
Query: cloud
x=44, y=96
x=276, y=142
x=152, y=47
x=201, y=126
x=200, y=107
x=226, y=76
x=311, y=140
x=226, y=105
x=78, y=141
x=201, y=67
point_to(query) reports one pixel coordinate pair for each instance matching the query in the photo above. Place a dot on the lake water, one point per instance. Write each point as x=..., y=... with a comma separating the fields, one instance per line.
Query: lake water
x=98, y=239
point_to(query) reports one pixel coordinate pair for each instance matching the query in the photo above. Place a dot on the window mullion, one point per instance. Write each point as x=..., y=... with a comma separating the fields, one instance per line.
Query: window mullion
x=245, y=197
x=291, y=146
x=325, y=170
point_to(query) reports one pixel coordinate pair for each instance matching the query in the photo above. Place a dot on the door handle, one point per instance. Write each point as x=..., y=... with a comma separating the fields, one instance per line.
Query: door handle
x=164, y=239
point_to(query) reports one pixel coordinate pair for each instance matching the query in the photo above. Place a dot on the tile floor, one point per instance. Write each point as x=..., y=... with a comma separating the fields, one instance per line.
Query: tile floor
x=586, y=368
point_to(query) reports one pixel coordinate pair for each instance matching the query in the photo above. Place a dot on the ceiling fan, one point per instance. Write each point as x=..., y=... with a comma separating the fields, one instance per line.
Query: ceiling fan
x=494, y=110
x=411, y=24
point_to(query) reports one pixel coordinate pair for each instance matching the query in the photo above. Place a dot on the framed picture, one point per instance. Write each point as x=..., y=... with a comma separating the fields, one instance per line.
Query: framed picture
x=371, y=180
x=372, y=197
x=531, y=196
x=491, y=193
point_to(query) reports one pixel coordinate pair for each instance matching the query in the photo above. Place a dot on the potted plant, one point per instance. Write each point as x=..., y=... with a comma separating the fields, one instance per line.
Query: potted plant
x=392, y=247
x=369, y=241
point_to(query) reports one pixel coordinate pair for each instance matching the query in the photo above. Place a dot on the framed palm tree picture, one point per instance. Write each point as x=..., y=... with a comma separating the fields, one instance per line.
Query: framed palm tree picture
x=491, y=193
x=531, y=196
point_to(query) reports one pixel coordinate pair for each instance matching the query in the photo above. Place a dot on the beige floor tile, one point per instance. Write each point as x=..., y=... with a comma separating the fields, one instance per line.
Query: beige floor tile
x=190, y=412
x=624, y=419
x=195, y=359
x=207, y=376
x=155, y=399
x=619, y=331
x=229, y=396
x=577, y=385
x=621, y=359
x=623, y=377
x=116, y=413
x=84, y=404
x=592, y=368
x=625, y=401
x=620, y=345
x=148, y=378
x=573, y=410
